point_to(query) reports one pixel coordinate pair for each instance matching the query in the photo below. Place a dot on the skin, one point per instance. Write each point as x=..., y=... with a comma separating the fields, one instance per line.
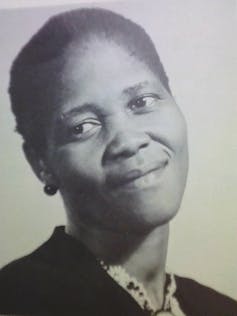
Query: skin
x=117, y=149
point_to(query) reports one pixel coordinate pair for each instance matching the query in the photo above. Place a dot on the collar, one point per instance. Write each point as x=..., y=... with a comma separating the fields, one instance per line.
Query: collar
x=138, y=292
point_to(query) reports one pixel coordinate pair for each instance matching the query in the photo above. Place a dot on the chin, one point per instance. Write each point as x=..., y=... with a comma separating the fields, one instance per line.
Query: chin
x=132, y=212
x=136, y=216
x=151, y=218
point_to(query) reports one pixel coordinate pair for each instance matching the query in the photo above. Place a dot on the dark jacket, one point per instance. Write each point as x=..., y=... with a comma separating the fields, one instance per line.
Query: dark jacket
x=63, y=278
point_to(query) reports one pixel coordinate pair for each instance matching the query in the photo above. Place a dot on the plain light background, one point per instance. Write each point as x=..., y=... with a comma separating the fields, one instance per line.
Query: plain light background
x=197, y=44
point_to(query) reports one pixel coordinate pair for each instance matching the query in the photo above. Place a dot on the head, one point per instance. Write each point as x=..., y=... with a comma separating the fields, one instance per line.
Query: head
x=93, y=104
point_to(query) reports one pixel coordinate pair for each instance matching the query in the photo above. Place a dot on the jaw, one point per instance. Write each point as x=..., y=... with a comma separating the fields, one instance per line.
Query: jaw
x=113, y=246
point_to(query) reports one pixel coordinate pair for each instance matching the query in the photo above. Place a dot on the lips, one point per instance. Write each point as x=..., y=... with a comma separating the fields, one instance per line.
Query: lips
x=137, y=178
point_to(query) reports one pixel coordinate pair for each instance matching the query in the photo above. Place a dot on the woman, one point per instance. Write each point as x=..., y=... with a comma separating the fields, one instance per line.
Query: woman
x=100, y=125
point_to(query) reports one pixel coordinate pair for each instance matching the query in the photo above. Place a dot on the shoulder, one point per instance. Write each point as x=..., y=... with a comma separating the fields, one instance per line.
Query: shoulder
x=40, y=258
x=198, y=299
x=18, y=281
x=53, y=277
x=27, y=282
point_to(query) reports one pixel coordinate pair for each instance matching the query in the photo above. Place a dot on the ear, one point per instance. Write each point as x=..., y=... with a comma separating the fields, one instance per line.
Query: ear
x=38, y=165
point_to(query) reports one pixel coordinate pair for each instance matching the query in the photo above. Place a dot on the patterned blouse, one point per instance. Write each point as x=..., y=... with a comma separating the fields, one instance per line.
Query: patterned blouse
x=139, y=294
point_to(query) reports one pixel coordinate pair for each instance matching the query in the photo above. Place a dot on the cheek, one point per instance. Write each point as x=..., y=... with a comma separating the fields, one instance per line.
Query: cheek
x=179, y=143
x=73, y=167
x=169, y=128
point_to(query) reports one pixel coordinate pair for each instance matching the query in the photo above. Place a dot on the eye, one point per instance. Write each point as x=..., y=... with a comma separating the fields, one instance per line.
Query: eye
x=85, y=129
x=144, y=103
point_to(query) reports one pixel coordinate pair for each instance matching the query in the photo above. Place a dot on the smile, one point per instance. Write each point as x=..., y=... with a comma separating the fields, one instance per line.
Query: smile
x=138, y=179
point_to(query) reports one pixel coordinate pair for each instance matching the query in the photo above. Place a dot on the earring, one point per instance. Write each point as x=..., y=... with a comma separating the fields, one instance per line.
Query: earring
x=50, y=189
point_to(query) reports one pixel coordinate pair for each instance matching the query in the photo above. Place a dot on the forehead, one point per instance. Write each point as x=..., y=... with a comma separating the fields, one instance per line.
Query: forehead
x=100, y=73
x=96, y=53
x=100, y=61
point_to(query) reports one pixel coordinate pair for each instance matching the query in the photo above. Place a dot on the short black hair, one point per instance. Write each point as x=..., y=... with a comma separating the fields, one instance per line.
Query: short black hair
x=49, y=44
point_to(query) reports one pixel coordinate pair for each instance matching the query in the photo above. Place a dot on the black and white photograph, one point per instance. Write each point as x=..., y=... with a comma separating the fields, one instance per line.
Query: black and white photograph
x=119, y=149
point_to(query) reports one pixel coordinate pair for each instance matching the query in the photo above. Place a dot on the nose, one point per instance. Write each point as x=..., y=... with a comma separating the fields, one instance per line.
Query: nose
x=126, y=143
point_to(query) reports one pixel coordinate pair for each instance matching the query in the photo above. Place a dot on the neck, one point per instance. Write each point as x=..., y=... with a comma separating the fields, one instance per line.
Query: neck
x=143, y=256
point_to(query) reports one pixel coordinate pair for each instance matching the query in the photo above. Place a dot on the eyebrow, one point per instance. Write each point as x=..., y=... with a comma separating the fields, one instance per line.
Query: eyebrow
x=86, y=107
x=136, y=88
x=79, y=109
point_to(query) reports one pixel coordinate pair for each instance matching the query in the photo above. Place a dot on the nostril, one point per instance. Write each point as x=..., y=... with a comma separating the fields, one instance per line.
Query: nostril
x=144, y=145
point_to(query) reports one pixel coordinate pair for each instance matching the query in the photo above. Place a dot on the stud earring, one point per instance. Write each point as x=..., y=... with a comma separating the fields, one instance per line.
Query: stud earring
x=50, y=189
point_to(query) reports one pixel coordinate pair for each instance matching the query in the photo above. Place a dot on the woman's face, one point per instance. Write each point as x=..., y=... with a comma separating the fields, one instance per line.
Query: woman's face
x=117, y=143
